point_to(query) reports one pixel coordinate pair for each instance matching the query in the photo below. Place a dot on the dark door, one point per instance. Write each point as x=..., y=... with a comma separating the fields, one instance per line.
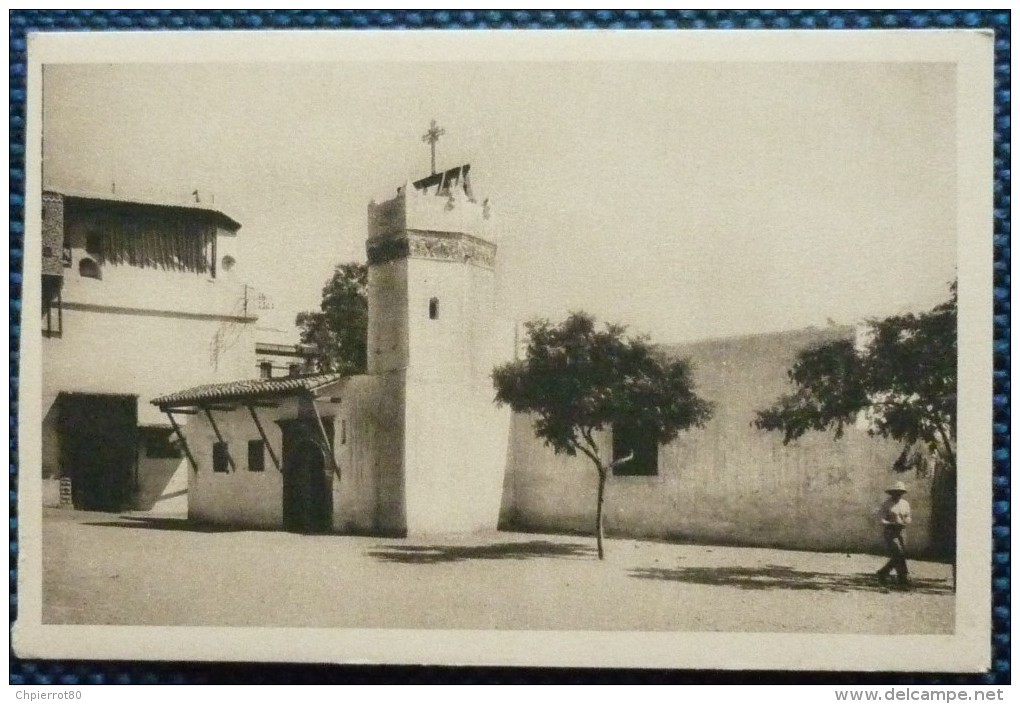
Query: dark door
x=307, y=481
x=98, y=449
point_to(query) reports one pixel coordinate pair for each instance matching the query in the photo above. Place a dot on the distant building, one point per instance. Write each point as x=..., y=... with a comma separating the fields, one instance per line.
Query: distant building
x=279, y=351
x=136, y=294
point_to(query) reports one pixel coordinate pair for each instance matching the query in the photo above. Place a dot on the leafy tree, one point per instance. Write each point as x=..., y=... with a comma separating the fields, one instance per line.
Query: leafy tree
x=904, y=380
x=579, y=378
x=340, y=328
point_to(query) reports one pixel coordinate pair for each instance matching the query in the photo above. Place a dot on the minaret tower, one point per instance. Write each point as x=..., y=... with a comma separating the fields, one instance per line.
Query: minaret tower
x=435, y=330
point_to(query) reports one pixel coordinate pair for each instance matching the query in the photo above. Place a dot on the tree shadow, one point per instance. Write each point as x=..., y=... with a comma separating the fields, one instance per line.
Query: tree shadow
x=163, y=523
x=783, y=577
x=436, y=554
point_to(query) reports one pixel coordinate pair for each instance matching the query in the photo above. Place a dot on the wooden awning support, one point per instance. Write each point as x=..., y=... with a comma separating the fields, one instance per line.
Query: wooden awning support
x=269, y=445
x=230, y=460
x=184, y=443
x=325, y=439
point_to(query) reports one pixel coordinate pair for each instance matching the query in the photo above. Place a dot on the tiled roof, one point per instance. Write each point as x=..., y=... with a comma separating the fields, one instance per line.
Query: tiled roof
x=245, y=389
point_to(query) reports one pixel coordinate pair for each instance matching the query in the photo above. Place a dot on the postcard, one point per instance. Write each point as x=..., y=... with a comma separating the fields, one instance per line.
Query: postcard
x=539, y=348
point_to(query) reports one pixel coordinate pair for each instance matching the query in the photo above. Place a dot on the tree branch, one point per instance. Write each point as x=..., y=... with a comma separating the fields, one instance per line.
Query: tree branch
x=591, y=450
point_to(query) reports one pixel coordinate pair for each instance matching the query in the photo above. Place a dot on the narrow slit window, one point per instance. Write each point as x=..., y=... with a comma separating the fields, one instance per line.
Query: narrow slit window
x=343, y=431
x=433, y=308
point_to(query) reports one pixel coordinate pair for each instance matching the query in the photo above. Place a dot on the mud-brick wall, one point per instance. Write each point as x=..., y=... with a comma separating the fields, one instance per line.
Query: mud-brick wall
x=727, y=483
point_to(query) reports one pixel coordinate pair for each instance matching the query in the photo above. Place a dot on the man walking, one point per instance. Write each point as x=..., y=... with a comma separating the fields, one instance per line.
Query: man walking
x=894, y=515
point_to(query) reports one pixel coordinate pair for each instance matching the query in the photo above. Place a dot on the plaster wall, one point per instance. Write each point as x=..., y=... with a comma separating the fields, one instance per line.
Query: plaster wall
x=387, y=316
x=238, y=498
x=368, y=441
x=143, y=355
x=456, y=438
x=728, y=482
x=456, y=444
x=105, y=351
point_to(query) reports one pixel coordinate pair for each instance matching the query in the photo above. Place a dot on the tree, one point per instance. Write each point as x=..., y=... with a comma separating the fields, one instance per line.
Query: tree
x=903, y=379
x=579, y=378
x=340, y=328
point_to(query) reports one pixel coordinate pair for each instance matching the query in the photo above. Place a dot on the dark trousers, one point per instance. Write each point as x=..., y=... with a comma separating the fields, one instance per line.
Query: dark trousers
x=897, y=549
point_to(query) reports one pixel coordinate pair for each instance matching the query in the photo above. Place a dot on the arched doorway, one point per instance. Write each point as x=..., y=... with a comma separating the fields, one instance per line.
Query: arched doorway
x=307, y=481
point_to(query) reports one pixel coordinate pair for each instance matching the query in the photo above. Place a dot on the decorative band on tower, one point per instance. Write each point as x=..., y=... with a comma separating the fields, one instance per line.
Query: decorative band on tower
x=442, y=246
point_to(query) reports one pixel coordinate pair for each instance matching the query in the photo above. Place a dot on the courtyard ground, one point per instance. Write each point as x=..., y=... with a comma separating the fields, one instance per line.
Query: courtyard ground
x=139, y=570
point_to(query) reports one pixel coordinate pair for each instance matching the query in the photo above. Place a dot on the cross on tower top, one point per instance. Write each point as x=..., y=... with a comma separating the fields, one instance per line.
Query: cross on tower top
x=432, y=136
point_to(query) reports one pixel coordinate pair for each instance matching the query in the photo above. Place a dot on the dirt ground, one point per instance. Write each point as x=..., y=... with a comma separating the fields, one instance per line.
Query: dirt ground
x=137, y=570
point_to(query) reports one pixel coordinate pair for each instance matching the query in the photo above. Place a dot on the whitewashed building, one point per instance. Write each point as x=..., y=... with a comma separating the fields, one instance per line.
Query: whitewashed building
x=137, y=294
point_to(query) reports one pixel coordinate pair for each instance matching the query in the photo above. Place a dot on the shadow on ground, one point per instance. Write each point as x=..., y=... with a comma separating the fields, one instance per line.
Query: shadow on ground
x=161, y=523
x=435, y=554
x=782, y=577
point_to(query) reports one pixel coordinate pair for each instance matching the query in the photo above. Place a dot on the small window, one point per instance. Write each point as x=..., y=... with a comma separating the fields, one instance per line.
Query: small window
x=265, y=370
x=433, y=309
x=640, y=441
x=256, y=456
x=52, y=306
x=220, y=457
x=343, y=431
x=294, y=370
x=94, y=243
x=89, y=269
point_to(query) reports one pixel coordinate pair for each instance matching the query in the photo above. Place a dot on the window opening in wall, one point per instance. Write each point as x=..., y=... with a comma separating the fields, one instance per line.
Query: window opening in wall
x=89, y=269
x=433, y=308
x=343, y=431
x=265, y=370
x=256, y=456
x=642, y=442
x=220, y=459
x=294, y=369
x=52, y=306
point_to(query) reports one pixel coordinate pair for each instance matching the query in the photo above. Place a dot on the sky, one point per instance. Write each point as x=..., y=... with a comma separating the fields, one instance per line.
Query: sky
x=687, y=200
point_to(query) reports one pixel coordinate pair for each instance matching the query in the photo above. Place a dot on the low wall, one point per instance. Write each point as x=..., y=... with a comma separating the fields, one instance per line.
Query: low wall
x=727, y=483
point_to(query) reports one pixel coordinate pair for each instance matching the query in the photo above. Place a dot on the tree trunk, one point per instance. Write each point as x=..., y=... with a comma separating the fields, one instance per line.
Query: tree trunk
x=598, y=513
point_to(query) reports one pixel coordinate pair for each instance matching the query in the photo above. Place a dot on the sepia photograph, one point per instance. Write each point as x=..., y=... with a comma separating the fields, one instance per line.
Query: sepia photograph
x=516, y=348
